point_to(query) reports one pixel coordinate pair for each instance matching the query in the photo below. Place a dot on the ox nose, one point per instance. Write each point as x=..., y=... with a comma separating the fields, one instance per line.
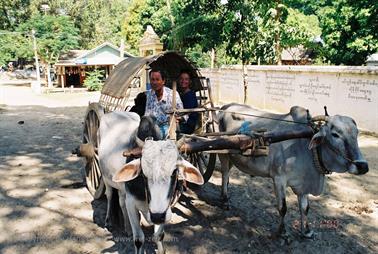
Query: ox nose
x=158, y=218
x=362, y=167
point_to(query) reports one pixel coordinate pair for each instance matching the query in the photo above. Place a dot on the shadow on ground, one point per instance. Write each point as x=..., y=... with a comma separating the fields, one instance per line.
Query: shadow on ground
x=46, y=208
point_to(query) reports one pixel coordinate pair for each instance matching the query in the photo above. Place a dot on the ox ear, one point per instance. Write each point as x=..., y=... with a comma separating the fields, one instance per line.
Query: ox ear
x=318, y=138
x=130, y=171
x=190, y=173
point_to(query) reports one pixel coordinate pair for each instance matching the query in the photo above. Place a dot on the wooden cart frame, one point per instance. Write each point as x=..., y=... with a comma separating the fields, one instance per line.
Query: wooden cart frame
x=129, y=78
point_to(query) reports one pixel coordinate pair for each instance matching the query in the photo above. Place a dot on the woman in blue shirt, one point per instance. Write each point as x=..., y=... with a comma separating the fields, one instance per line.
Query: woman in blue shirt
x=189, y=100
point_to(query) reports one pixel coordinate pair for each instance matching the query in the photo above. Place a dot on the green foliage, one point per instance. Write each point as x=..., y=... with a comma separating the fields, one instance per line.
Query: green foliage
x=238, y=30
x=198, y=57
x=55, y=35
x=97, y=20
x=13, y=13
x=350, y=30
x=101, y=20
x=300, y=29
x=132, y=27
x=307, y=7
x=14, y=46
x=194, y=24
x=93, y=80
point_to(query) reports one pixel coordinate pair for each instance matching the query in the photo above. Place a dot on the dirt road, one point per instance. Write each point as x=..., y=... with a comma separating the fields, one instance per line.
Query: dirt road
x=44, y=207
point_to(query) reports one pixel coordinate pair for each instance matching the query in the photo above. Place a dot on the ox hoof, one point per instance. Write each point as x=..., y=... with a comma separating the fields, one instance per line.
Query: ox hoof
x=108, y=226
x=129, y=233
x=283, y=238
x=226, y=206
x=108, y=223
x=309, y=234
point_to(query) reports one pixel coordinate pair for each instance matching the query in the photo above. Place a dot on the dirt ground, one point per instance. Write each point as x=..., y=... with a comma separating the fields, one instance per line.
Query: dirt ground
x=45, y=208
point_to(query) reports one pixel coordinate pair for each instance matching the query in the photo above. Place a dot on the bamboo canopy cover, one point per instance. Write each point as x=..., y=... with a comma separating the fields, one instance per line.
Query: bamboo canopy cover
x=125, y=72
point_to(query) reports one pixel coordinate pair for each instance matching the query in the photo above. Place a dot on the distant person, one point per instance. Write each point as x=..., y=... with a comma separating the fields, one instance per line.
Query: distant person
x=189, y=100
x=10, y=67
x=159, y=100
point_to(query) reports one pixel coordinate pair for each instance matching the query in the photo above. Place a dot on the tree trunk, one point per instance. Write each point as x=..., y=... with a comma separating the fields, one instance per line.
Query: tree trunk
x=213, y=60
x=49, y=83
x=245, y=83
x=277, y=33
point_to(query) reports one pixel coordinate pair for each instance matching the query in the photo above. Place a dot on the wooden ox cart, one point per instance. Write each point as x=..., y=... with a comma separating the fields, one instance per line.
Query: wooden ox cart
x=130, y=78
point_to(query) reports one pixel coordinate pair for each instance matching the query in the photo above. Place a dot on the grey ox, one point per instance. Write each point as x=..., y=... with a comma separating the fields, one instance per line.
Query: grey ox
x=147, y=185
x=298, y=163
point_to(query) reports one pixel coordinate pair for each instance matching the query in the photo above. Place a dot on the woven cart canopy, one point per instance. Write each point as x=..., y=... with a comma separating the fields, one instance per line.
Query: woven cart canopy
x=125, y=72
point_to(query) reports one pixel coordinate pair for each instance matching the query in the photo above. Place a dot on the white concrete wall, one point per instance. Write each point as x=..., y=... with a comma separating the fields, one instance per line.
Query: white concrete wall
x=345, y=90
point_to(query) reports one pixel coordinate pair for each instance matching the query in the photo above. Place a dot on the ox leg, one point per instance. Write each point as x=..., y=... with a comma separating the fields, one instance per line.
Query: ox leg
x=225, y=168
x=109, y=195
x=138, y=235
x=280, y=190
x=122, y=204
x=303, y=208
x=159, y=237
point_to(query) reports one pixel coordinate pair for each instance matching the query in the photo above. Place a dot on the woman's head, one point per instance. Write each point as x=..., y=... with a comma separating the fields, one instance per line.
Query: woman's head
x=184, y=80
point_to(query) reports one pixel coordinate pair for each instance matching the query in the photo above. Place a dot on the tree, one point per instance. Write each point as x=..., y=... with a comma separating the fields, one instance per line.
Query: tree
x=14, y=45
x=258, y=31
x=97, y=20
x=183, y=25
x=93, y=80
x=195, y=23
x=13, y=13
x=158, y=14
x=350, y=30
x=132, y=27
x=55, y=36
x=300, y=29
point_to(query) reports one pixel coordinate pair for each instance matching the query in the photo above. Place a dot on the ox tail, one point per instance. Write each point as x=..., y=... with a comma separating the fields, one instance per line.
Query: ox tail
x=220, y=120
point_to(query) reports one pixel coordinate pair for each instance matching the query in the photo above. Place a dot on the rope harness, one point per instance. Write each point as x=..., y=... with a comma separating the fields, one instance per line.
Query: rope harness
x=318, y=160
x=316, y=152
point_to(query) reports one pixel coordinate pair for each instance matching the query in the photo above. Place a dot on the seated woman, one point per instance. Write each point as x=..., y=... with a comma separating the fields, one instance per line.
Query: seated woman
x=189, y=100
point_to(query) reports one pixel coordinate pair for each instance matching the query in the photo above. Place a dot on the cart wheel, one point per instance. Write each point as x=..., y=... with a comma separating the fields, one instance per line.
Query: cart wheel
x=93, y=178
x=205, y=162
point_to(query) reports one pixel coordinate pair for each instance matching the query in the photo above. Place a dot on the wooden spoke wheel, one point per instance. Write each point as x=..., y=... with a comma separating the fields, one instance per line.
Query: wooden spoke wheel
x=205, y=162
x=93, y=177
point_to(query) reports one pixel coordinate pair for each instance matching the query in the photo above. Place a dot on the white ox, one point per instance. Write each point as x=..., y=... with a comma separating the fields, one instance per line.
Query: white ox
x=146, y=185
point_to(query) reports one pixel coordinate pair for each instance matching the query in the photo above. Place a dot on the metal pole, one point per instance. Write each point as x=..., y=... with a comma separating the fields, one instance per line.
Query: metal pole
x=38, y=84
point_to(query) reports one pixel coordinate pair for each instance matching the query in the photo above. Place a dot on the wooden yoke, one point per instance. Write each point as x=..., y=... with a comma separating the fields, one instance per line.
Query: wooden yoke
x=172, y=125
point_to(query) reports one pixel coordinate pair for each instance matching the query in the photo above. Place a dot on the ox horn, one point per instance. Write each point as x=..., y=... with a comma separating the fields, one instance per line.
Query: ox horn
x=180, y=142
x=319, y=118
x=325, y=111
x=139, y=142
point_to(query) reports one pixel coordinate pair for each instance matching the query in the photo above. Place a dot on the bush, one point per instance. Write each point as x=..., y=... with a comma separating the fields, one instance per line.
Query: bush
x=93, y=80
